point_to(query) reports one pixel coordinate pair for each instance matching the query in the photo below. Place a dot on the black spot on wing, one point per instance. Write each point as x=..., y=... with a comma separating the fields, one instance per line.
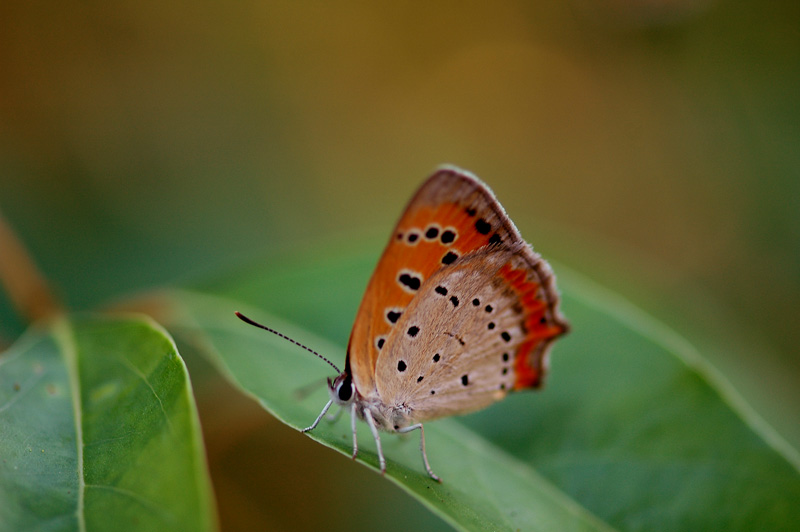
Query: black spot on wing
x=410, y=281
x=482, y=226
x=449, y=258
x=393, y=316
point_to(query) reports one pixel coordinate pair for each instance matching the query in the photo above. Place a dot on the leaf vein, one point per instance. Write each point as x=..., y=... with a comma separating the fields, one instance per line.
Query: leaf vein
x=136, y=371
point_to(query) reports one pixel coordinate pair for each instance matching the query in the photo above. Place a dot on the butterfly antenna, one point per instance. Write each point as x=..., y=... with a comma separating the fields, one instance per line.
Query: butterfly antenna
x=295, y=342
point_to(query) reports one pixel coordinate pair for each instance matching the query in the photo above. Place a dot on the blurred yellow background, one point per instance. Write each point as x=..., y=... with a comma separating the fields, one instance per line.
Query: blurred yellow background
x=651, y=145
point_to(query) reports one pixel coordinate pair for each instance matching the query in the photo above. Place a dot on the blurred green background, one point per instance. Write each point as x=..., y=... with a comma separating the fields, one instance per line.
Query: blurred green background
x=653, y=146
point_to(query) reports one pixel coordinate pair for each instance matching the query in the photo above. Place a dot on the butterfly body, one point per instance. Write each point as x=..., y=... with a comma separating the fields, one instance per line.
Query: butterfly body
x=459, y=312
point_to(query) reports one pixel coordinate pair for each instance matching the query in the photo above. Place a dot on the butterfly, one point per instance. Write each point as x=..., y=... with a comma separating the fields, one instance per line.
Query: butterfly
x=459, y=312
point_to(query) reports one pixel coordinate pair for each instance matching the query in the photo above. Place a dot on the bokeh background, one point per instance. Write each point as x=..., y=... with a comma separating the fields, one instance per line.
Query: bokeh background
x=653, y=146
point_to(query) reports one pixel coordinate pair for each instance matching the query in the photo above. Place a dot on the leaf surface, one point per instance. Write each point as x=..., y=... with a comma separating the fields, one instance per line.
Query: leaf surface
x=633, y=430
x=99, y=431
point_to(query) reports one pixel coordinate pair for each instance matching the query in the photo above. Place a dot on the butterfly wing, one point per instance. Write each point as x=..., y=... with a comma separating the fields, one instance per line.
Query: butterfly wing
x=476, y=330
x=452, y=215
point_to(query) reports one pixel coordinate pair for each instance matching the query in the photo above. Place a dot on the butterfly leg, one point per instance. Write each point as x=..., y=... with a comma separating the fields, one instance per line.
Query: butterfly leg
x=316, y=421
x=421, y=448
x=374, y=429
x=333, y=418
x=353, y=428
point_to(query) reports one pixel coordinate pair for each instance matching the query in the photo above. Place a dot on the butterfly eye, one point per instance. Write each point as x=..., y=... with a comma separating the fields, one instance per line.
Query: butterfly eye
x=342, y=387
x=346, y=389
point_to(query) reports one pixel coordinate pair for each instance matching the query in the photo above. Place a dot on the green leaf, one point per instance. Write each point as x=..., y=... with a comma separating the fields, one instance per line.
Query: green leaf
x=633, y=430
x=98, y=431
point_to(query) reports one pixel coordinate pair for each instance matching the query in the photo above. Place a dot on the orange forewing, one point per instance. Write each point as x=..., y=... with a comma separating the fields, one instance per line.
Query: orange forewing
x=448, y=201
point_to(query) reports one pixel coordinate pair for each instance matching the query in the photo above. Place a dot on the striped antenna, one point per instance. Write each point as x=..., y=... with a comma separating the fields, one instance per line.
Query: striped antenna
x=295, y=342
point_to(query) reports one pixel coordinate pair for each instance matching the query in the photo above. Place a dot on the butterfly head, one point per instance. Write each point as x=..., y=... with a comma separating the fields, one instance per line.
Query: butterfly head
x=342, y=389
